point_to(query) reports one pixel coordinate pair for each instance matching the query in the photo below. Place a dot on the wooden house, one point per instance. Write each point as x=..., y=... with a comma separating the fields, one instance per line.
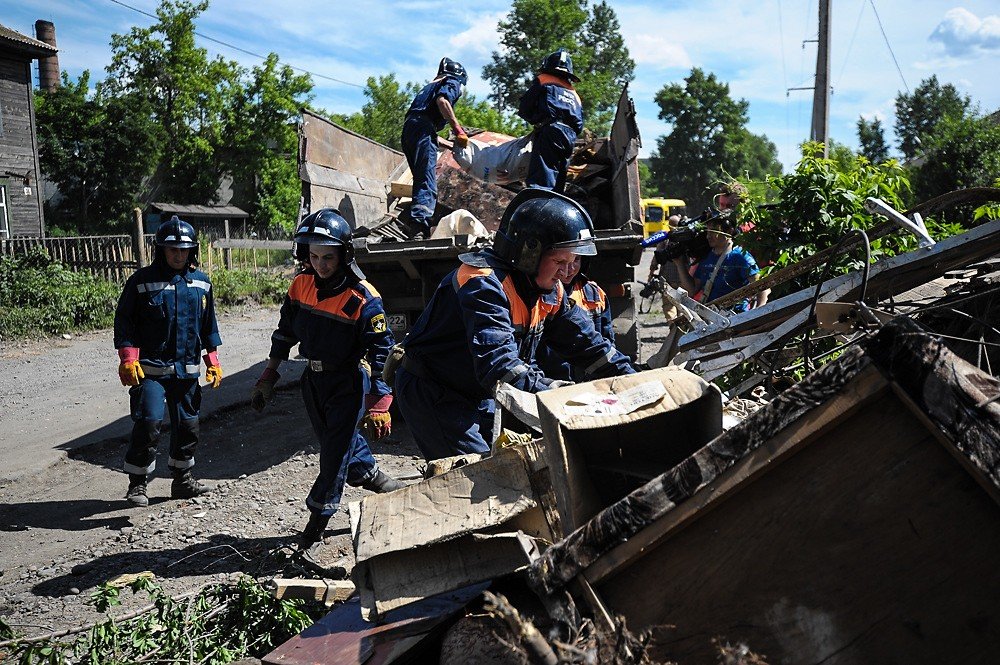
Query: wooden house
x=20, y=195
x=853, y=520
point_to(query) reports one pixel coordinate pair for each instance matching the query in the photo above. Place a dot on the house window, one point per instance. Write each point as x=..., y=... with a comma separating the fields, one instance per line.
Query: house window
x=4, y=218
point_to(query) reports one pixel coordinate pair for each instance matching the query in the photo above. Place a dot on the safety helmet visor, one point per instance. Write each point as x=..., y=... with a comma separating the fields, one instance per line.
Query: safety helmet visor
x=582, y=246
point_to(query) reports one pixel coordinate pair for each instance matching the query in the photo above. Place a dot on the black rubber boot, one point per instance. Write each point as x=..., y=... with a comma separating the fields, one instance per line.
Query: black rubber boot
x=381, y=483
x=185, y=486
x=136, y=494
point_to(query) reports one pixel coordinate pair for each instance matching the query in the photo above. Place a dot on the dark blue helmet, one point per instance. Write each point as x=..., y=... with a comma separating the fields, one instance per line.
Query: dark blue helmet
x=559, y=64
x=538, y=220
x=179, y=234
x=448, y=67
x=326, y=226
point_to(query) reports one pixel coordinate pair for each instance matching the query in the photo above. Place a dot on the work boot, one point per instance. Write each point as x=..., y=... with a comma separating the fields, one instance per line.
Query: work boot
x=185, y=486
x=136, y=494
x=310, y=543
x=381, y=483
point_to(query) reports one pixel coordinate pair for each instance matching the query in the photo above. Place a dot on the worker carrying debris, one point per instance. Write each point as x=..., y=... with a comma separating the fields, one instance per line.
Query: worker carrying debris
x=553, y=106
x=485, y=320
x=337, y=319
x=430, y=110
x=591, y=298
x=164, y=320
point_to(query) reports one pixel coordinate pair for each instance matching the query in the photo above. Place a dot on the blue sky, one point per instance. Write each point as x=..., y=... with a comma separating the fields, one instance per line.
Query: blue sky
x=757, y=47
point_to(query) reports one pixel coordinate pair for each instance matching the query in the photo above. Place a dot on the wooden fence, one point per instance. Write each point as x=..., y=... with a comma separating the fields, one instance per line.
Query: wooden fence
x=110, y=257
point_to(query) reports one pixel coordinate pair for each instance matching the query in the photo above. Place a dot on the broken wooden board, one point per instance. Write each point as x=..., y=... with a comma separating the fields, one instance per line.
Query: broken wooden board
x=409, y=543
x=459, y=190
x=324, y=591
x=343, y=637
x=401, y=578
x=854, y=519
x=595, y=460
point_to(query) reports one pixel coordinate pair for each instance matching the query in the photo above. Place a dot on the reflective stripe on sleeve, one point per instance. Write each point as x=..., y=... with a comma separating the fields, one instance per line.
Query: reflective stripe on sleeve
x=601, y=362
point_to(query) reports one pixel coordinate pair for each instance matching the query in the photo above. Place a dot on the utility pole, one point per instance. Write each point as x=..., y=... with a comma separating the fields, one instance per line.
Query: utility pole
x=821, y=92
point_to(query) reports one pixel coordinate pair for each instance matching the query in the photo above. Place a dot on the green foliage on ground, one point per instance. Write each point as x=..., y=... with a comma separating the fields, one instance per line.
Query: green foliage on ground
x=242, y=286
x=40, y=296
x=219, y=624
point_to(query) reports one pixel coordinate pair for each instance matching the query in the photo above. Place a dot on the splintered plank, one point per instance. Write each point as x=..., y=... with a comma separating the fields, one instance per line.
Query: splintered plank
x=343, y=637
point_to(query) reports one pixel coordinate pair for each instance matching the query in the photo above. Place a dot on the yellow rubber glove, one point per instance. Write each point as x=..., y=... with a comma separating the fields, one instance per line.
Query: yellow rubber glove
x=213, y=373
x=263, y=391
x=129, y=370
x=377, y=423
x=462, y=140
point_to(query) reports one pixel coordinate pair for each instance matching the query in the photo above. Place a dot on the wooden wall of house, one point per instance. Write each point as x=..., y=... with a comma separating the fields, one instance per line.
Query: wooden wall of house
x=19, y=146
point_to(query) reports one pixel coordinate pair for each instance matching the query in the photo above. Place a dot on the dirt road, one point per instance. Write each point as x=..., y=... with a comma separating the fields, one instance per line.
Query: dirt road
x=66, y=527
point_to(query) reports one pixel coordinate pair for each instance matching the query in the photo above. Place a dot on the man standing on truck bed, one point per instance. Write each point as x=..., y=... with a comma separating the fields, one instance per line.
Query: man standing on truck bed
x=431, y=109
x=552, y=105
x=485, y=320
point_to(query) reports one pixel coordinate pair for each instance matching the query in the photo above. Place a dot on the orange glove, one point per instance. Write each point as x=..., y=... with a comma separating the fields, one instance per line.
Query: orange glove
x=377, y=423
x=129, y=369
x=264, y=390
x=213, y=375
x=461, y=139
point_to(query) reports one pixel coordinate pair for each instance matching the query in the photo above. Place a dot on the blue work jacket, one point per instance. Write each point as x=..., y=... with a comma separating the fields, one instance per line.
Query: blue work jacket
x=425, y=103
x=484, y=322
x=549, y=100
x=170, y=318
x=589, y=297
x=336, y=326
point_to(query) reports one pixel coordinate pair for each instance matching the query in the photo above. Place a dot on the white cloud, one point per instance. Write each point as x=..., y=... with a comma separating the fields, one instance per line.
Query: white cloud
x=657, y=52
x=964, y=34
x=479, y=40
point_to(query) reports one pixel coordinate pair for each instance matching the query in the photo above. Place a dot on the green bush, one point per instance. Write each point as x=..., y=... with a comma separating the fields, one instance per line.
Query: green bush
x=240, y=287
x=39, y=295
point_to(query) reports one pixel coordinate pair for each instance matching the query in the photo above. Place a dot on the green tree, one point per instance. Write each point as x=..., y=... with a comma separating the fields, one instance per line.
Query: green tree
x=918, y=113
x=871, y=137
x=708, y=140
x=961, y=152
x=480, y=114
x=187, y=93
x=263, y=140
x=381, y=118
x=535, y=28
x=96, y=149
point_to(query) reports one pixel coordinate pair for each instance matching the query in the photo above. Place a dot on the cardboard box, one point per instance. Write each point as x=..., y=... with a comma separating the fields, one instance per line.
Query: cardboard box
x=594, y=460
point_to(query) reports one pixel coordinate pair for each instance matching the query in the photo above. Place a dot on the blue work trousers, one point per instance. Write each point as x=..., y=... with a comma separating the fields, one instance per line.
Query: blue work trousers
x=551, y=148
x=181, y=398
x=443, y=422
x=335, y=404
x=420, y=147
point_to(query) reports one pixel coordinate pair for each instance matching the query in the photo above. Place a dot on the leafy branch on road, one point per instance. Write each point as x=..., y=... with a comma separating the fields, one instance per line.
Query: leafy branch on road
x=218, y=624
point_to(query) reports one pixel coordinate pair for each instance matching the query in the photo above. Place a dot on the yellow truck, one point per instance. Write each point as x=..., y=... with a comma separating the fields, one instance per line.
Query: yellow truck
x=655, y=213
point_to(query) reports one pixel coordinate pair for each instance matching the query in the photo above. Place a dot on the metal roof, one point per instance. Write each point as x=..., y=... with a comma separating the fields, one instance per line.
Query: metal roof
x=201, y=211
x=15, y=41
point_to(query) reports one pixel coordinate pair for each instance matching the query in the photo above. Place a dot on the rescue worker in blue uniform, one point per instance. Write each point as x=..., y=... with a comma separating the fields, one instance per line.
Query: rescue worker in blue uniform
x=591, y=298
x=553, y=106
x=487, y=317
x=337, y=319
x=430, y=110
x=165, y=319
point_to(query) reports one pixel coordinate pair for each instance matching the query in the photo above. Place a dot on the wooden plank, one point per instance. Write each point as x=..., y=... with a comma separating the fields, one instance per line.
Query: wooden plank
x=870, y=545
x=869, y=384
x=251, y=243
x=325, y=591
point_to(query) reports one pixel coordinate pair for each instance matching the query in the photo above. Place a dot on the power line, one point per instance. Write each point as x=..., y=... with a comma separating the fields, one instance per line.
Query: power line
x=889, y=47
x=850, y=45
x=242, y=50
